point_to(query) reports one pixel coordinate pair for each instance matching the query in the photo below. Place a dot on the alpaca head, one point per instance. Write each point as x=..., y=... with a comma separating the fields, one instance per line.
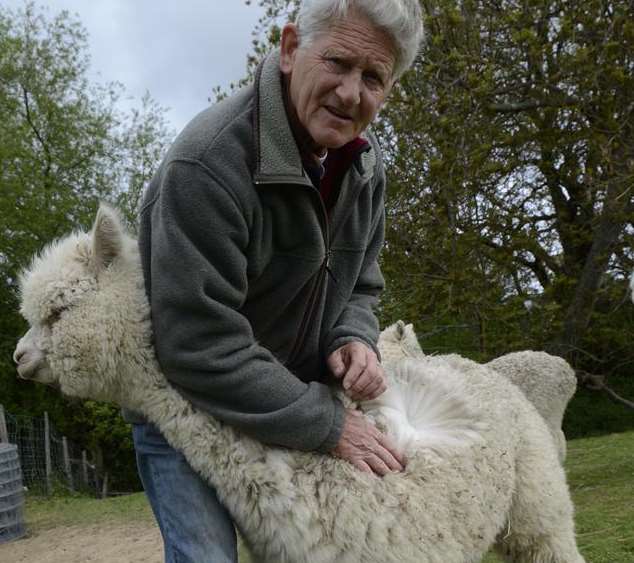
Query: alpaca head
x=79, y=296
x=399, y=341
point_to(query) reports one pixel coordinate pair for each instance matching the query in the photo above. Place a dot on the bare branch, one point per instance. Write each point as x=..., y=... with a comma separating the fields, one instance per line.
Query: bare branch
x=29, y=120
x=597, y=383
x=515, y=107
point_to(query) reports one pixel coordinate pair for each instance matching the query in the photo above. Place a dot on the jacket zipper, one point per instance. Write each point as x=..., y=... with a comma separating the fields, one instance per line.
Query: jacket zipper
x=324, y=270
x=317, y=289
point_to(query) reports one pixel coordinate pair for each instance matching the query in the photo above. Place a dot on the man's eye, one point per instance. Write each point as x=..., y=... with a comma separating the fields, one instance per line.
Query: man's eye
x=336, y=62
x=373, y=79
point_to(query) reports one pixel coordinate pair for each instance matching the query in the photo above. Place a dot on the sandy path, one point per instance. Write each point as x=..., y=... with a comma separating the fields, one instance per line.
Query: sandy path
x=128, y=543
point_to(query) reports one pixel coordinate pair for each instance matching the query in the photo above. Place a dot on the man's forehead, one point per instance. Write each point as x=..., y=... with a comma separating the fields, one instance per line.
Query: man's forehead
x=367, y=59
x=376, y=50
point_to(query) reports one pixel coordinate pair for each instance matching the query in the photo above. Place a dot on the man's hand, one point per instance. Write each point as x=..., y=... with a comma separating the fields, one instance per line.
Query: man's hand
x=365, y=447
x=358, y=366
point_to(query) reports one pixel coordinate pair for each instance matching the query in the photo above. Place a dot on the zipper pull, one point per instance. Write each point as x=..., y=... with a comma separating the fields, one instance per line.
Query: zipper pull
x=328, y=256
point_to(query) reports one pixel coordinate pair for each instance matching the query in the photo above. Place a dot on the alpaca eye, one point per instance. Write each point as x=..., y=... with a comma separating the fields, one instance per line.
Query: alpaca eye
x=55, y=315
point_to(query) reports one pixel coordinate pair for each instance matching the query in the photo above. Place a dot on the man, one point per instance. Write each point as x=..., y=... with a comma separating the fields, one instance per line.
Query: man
x=259, y=241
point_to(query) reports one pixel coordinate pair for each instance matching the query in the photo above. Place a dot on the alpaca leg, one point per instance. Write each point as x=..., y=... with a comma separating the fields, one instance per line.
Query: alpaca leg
x=541, y=528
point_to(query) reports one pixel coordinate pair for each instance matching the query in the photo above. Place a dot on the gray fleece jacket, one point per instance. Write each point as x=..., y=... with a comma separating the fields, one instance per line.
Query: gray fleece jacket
x=251, y=284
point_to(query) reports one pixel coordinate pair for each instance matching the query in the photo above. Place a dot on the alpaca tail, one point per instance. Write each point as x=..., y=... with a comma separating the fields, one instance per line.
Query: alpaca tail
x=426, y=406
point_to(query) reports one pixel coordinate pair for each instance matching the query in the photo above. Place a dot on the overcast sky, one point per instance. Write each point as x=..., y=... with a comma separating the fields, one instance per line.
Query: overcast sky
x=178, y=50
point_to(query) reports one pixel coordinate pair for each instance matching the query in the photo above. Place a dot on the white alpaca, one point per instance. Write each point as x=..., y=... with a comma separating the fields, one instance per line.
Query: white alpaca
x=399, y=341
x=547, y=381
x=481, y=465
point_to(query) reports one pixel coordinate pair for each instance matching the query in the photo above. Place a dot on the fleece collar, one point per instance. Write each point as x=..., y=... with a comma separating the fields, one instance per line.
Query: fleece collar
x=278, y=159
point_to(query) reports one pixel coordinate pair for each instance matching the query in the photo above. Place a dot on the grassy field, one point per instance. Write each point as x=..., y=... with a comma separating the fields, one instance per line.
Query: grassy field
x=601, y=476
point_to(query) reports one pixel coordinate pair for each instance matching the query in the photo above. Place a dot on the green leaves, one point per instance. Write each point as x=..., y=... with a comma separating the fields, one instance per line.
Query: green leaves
x=64, y=146
x=510, y=153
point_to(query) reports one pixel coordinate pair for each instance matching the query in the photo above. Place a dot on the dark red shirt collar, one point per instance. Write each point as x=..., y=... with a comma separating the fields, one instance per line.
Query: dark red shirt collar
x=337, y=164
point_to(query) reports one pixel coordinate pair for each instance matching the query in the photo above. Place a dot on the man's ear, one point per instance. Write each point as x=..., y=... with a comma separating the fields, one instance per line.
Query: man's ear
x=288, y=47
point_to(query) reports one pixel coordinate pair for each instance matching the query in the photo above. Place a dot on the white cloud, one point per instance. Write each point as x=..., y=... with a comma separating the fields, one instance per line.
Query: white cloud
x=177, y=50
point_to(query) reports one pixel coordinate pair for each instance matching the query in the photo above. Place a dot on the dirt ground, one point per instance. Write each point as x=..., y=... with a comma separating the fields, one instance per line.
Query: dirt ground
x=130, y=543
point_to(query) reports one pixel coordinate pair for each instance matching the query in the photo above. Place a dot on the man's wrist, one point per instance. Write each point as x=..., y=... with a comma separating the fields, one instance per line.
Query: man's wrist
x=336, y=428
x=343, y=340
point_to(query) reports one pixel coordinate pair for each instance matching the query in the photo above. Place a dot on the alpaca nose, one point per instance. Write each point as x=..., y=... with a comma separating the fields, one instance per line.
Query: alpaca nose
x=18, y=355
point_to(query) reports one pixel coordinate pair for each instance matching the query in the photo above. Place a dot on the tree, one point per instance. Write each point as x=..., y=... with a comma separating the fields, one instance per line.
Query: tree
x=512, y=142
x=510, y=161
x=64, y=146
x=138, y=147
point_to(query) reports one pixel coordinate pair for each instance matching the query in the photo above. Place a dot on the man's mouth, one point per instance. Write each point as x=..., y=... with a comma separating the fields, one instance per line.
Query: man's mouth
x=337, y=113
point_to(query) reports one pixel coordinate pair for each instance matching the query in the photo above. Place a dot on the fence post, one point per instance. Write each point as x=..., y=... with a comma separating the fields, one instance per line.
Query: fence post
x=47, y=453
x=84, y=467
x=67, y=467
x=4, y=433
x=104, y=487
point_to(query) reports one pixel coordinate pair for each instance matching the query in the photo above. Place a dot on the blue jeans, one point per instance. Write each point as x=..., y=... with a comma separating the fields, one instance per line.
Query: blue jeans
x=196, y=528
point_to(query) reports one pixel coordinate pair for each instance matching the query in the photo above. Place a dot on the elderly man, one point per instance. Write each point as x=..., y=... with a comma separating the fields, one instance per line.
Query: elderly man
x=259, y=241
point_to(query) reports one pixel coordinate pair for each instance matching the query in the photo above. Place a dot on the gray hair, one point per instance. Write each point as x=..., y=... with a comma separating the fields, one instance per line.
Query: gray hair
x=400, y=19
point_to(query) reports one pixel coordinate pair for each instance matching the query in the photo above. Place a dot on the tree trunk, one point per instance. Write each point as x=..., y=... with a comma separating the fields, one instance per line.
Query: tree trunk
x=579, y=311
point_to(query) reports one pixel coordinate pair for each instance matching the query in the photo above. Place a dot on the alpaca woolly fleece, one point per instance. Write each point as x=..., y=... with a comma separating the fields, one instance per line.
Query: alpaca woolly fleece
x=482, y=469
x=547, y=381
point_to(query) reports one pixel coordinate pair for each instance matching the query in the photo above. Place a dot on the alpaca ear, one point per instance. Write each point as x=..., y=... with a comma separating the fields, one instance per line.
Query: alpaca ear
x=107, y=237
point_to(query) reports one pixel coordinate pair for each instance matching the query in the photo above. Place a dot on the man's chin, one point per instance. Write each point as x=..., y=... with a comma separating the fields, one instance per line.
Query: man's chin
x=332, y=133
x=333, y=138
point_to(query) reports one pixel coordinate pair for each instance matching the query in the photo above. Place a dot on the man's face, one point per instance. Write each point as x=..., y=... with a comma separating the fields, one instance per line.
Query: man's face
x=340, y=81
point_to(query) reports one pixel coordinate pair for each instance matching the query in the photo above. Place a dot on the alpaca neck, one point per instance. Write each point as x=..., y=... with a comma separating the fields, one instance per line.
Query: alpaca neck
x=144, y=385
x=185, y=428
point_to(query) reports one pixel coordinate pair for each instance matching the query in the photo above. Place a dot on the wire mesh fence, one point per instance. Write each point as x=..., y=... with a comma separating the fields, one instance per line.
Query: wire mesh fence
x=49, y=461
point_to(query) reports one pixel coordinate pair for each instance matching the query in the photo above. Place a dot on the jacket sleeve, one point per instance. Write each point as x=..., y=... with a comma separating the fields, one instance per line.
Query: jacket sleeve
x=196, y=234
x=358, y=321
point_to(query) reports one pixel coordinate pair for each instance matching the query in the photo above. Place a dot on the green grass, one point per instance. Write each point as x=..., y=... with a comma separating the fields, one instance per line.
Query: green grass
x=601, y=478
x=45, y=513
x=600, y=472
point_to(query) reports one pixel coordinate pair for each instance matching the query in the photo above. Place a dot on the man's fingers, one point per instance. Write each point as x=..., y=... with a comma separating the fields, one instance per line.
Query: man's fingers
x=336, y=365
x=359, y=394
x=382, y=388
x=378, y=465
x=363, y=445
x=389, y=460
x=371, y=391
x=371, y=383
x=365, y=379
x=356, y=365
x=363, y=466
x=389, y=447
x=378, y=389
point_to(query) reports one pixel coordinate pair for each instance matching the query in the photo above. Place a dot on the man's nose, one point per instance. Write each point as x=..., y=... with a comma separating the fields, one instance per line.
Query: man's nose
x=349, y=89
